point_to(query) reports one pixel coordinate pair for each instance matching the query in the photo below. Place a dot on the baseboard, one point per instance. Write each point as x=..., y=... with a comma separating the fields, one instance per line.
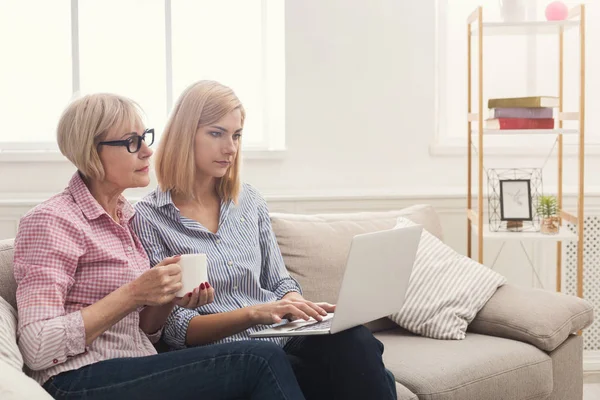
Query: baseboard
x=591, y=361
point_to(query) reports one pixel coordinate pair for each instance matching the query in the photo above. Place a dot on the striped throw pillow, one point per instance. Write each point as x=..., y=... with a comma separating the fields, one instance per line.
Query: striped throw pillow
x=446, y=290
x=9, y=351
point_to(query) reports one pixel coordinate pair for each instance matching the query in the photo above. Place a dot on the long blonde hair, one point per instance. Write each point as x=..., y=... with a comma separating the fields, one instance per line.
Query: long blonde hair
x=202, y=103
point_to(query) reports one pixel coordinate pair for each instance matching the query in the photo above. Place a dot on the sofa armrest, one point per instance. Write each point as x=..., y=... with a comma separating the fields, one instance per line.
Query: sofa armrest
x=542, y=318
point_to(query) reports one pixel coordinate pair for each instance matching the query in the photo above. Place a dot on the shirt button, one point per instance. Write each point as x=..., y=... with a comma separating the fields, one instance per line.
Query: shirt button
x=235, y=288
x=242, y=219
x=230, y=263
x=129, y=248
x=218, y=241
x=55, y=361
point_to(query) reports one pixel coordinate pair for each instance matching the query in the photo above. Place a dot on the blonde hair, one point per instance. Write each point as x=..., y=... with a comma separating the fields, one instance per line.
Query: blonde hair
x=202, y=103
x=86, y=121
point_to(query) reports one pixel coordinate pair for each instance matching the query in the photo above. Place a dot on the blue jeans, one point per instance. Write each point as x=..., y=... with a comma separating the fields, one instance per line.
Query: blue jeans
x=346, y=365
x=241, y=370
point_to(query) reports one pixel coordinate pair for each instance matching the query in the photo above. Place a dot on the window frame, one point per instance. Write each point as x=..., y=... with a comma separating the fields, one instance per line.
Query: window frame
x=272, y=146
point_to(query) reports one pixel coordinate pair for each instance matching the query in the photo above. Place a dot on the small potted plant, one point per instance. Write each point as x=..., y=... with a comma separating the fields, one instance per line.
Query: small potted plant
x=547, y=209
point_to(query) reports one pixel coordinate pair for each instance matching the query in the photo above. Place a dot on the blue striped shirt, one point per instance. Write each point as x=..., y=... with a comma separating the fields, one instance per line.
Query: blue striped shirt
x=245, y=265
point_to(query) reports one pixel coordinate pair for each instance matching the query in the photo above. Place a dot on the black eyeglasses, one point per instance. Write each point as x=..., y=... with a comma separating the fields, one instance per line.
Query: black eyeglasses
x=134, y=142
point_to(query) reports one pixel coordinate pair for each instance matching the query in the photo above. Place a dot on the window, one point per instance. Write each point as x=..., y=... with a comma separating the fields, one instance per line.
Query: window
x=513, y=66
x=149, y=50
x=35, y=75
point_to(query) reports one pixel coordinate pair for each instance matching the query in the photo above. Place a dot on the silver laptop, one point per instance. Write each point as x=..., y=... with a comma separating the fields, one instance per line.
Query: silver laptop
x=378, y=270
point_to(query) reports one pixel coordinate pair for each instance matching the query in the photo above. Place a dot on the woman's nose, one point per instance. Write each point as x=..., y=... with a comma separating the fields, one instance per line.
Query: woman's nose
x=230, y=146
x=145, y=151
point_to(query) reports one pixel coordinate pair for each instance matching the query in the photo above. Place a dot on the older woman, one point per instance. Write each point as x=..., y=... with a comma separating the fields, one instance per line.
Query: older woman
x=89, y=304
x=202, y=207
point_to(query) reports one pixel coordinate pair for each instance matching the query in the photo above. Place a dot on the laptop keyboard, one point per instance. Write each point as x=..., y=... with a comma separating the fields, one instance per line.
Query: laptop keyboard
x=316, y=326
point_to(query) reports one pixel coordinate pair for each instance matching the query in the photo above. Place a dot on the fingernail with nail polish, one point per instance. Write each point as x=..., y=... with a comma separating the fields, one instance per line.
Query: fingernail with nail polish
x=189, y=295
x=207, y=285
x=202, y=286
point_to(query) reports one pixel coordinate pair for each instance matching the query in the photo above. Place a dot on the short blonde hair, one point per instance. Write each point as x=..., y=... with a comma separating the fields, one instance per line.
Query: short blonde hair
x=201, y=104
x=86, y=121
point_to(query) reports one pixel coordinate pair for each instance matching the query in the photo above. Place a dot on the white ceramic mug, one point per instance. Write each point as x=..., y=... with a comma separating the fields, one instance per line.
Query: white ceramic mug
x=513, y=10
x=193, y=272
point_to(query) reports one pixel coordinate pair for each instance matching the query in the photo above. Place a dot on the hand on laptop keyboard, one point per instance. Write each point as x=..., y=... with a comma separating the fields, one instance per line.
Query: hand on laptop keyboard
x=291, y=309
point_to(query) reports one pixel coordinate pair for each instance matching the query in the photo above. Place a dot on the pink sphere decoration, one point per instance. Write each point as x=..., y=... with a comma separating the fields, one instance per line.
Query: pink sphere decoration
x=557, y=11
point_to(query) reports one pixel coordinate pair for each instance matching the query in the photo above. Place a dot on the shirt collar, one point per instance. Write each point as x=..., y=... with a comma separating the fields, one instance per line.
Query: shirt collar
x=90, y=206
x=163, y=198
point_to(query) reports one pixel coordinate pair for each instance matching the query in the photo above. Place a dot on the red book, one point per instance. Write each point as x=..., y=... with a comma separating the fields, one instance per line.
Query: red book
x=519, y=123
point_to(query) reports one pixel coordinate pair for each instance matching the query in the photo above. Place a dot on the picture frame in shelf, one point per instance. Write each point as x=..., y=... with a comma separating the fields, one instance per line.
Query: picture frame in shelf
x=515, y=200
x=509, y=213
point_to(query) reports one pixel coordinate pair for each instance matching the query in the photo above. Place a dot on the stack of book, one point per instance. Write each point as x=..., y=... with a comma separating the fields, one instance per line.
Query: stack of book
x=521, y=113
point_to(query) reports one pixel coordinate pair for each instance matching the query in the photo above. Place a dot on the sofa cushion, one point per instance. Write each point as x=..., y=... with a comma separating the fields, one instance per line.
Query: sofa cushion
x=9, y=351
x=446, y=290
x=542, y=318
x=15, y=385
x=315, y=247
x=479, y=367
x=8, y=285
x=404, y=394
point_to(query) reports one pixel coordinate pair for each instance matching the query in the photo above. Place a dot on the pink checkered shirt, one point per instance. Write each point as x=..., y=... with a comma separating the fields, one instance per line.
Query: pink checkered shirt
x=69, y=253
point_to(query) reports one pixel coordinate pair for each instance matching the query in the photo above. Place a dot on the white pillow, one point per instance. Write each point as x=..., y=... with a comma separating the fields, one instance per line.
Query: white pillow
x=9, y=351
x=15, y=385
x=446, y=290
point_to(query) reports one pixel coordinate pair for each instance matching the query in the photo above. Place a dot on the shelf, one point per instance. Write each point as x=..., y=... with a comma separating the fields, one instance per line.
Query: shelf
x=525, y=28
x=478, y=28
x=565, y=235
x=504, y=132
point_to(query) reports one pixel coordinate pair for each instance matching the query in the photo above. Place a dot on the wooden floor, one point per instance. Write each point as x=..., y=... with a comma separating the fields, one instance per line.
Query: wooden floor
x=591, y=387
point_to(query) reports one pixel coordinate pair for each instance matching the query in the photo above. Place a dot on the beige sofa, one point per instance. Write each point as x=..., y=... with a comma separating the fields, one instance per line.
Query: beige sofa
x=520, y=346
